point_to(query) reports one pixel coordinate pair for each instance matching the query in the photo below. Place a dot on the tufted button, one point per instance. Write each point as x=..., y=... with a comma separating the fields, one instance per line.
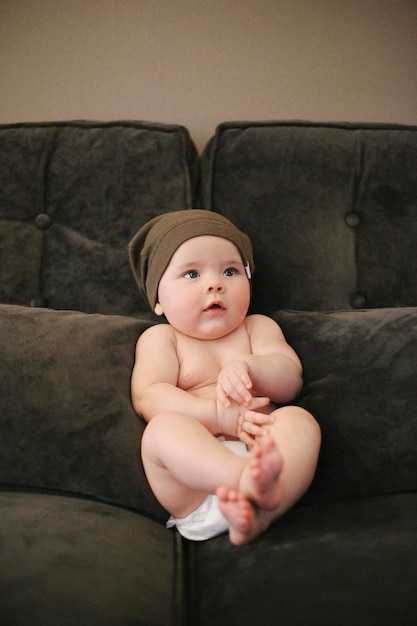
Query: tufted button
x=43, y=221
x=357, y=301
x=38, y=302
x=352, y=219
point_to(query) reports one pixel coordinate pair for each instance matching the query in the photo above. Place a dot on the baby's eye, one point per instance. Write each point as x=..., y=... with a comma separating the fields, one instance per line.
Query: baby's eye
x=191, y=274
x=230, y=271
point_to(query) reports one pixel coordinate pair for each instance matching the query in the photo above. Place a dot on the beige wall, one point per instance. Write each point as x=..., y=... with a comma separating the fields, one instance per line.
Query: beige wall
x=201, y=62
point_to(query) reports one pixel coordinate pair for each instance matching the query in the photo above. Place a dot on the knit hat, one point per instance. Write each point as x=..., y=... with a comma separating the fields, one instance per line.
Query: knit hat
x=152, y=247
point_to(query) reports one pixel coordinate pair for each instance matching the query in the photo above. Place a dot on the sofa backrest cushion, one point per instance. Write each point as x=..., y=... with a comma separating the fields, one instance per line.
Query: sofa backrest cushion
x=360, y=382
x=66, y=418
x=71, y=197
x=67, y=421
x=331, y=210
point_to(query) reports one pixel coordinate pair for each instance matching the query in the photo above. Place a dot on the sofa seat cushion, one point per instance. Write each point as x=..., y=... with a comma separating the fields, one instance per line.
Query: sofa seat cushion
x=348, y=562
x=74, y=562
x=72, y=194
x=331, y=210
x=66, y=417
x=360, y=382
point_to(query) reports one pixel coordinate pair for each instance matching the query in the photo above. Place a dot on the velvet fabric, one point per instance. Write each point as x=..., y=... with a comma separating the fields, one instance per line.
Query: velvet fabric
x=70, y=561
x=360, y=382
x=66, y=417
x=72, y=195
x=66, y=385
x=331, y=210
x=352, y=562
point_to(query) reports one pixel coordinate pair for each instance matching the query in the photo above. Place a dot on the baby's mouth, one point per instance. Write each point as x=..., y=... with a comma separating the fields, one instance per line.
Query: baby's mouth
x=215, y=306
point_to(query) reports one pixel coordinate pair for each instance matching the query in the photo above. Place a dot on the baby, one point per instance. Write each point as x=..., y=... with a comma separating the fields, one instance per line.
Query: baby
x=220, y=450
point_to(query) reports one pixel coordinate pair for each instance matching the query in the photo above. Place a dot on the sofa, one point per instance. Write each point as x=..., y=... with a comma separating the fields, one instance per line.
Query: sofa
x=331, y=209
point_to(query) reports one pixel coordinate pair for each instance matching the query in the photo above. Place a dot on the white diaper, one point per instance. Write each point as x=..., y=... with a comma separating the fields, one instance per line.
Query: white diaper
x=206, y=521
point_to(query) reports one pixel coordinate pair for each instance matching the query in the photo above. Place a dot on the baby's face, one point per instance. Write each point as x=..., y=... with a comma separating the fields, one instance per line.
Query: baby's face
x=204, y=292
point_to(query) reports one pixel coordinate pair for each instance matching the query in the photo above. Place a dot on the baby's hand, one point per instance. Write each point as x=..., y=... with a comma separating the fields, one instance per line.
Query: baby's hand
x=234, y=384
x=230, y=419
x=251, y=425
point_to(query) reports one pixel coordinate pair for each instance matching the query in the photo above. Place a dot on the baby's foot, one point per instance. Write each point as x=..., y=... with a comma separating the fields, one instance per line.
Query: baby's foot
x=245, y=523
x=260, y=478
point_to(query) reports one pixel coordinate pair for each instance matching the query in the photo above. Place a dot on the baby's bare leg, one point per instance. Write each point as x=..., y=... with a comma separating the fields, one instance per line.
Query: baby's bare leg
x=260, y=479
x=280, y=471
x=297, y=434
x=184, y=462
x=259, y=492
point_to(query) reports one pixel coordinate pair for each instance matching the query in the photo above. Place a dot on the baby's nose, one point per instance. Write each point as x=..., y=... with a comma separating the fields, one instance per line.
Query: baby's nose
x=216, y=286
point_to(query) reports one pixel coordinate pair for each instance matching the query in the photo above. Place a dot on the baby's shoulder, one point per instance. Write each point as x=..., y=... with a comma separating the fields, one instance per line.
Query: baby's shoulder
x=263, y=329
x=257, y=321
x=157, y=335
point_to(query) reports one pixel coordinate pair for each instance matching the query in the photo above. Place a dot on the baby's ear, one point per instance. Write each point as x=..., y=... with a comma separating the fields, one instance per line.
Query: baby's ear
x=158, y=309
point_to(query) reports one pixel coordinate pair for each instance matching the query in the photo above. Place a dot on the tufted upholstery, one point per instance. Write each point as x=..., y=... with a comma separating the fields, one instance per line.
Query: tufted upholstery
x=331, y=210
x=71, y=197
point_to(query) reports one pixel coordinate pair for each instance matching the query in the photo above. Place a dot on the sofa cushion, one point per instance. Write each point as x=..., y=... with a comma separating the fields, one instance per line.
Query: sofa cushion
x=360, y=382
x=73, y=562
x=72, y=195
x=66, y=419
x=331, y=210
x=347, y=563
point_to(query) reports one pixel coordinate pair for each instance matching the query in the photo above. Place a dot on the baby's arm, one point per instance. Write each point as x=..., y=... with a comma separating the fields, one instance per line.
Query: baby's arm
x=273, y=369
x=154, y=380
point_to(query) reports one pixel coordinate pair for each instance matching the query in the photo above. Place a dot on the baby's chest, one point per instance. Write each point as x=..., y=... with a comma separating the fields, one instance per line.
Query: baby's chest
x=201, y=363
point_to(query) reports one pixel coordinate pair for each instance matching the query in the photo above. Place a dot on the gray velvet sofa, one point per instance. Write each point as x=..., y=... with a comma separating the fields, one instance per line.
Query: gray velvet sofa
x=332, y=213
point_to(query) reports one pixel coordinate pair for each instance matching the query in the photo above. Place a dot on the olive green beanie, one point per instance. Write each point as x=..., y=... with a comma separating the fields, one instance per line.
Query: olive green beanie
x=152, y=247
